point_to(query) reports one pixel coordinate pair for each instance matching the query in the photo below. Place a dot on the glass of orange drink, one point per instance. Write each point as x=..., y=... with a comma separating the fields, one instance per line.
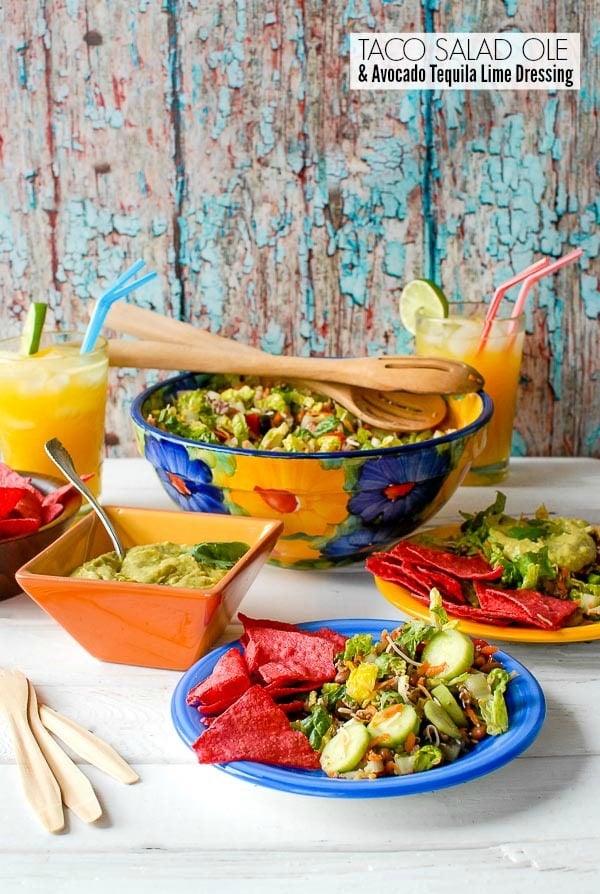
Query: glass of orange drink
x=497, y=358
x=55, y=393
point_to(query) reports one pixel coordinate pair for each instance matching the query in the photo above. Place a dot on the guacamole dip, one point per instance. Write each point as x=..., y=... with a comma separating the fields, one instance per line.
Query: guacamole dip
x=567, y=540
x=197, y=566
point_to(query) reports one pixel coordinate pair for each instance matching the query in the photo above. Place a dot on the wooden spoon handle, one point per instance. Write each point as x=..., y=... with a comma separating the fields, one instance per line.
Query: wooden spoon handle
x=415, y=376
x=87, y=745
x=76, y=789
x=203, y=358
x=220, y=354
x=129, y=319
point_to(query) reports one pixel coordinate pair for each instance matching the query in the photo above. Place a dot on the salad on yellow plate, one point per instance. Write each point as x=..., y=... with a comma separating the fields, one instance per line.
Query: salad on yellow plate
x=529, y=579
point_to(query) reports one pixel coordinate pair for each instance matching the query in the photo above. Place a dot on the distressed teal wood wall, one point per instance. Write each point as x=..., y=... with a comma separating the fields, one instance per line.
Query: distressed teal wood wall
x=220, y=142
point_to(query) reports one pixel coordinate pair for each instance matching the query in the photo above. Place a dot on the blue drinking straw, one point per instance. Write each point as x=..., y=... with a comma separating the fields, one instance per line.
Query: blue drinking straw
x=119, y=289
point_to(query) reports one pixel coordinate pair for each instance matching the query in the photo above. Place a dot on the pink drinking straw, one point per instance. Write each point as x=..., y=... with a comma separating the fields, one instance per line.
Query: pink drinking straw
x=540, y=274
x=500, y=292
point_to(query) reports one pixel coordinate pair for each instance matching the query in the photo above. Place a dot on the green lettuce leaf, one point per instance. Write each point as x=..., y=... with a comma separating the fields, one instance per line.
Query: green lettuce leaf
x=219, y=555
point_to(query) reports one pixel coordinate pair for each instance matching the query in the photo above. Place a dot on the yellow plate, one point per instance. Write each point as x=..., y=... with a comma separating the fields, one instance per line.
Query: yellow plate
x=402, y=599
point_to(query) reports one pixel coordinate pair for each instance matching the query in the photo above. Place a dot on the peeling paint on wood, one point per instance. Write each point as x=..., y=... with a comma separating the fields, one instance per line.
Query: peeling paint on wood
x=219, y=141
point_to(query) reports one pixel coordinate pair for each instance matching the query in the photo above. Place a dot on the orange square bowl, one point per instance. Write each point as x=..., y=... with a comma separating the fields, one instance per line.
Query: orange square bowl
x=151, y=625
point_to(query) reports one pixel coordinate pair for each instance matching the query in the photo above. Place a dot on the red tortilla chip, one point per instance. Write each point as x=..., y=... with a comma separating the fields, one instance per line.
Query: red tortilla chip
x=418, y=569
x=304, y=657
x=9, y=497
x=20, y=499
x=255, y=729
x=502, y=613
x=338, y=639
x=251, y=623
x=16, y=527
x=227, y=682
x=277, y=690
x=30, y=506
x=526, y=606
x=51, y=511
x=294, y=707
x=397, y=573
x=286, y=676
x=212, y=709
x=466, y=567
x=10, y=478
x=53, y=503
x=449, y=586
x=476, y=614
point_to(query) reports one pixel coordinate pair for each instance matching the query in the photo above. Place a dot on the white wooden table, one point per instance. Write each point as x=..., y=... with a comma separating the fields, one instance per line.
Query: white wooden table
x=534, y=823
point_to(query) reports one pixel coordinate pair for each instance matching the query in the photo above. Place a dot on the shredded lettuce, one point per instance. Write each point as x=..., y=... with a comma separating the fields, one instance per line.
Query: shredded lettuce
x=358, y=645
x=493, y=708
x=412, y=634
x=316, y=726
x=426, y=757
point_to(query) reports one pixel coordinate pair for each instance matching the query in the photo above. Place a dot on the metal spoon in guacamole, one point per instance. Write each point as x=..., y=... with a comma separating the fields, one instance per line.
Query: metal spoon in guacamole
x=61, y=457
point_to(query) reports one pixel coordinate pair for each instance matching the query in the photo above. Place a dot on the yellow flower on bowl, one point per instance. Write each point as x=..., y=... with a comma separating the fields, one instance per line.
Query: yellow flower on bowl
x=308, y=498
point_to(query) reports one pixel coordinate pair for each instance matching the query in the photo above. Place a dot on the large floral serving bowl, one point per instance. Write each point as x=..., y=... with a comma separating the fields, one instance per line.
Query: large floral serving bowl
x=336, y=508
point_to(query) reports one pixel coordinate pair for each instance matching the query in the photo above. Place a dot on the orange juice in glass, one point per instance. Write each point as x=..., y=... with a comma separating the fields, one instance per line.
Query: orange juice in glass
x=498, y=360
x=55, y=393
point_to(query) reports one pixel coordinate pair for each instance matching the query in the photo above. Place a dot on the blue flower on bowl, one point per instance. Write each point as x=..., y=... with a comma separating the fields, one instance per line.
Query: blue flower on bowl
x=394, y=487
x=187, y=481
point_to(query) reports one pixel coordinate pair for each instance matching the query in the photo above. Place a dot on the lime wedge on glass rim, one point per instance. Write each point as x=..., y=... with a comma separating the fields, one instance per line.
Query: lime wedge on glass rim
x=421, y=296
x=33, y=327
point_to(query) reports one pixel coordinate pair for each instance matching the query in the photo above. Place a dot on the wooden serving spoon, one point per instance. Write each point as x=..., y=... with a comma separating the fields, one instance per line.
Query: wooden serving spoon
x=212, y=353
x=388, y=410
x=403, y=410
x=39, y=784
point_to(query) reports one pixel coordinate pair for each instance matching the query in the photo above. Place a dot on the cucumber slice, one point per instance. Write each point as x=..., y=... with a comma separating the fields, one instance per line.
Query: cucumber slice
x=450, y=651
x=440, y=719
x=477, y=684
x=32, y=327
x=393, y=725
x=448, y=702
x=346, y=749
x=421, y=296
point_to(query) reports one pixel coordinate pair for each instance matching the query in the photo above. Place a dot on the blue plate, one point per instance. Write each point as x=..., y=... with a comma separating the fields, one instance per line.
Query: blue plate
x=526, y=709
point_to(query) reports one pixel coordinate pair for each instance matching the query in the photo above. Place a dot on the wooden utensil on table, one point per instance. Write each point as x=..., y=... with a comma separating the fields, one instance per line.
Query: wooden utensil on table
x=76, y=789
x=213, y=353
x=87, y=745
x=39, y=784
